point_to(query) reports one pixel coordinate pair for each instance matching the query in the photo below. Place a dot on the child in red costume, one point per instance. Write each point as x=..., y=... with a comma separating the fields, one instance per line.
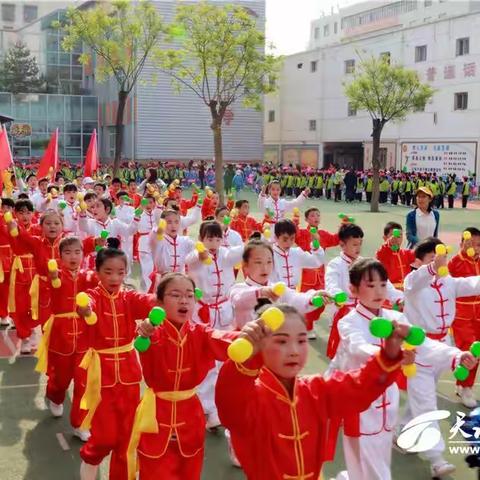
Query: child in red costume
x=313, y=278
x=64, y=341
x=396, y=260
x=113, y=371
x=466, y=326
x=242, y=222
x=279, y=422
x=5, y=264
x=171, y=439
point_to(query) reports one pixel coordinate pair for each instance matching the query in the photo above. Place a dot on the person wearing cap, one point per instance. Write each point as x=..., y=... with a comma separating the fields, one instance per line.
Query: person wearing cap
x=423, y=221
x=88, y=183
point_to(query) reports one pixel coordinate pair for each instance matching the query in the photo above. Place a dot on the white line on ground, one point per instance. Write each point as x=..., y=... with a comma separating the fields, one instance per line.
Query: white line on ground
x=31, y=385
x=63, y=442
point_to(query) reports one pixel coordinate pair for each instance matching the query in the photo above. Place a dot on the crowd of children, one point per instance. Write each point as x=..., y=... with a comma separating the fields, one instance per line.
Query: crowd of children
x=67, y=255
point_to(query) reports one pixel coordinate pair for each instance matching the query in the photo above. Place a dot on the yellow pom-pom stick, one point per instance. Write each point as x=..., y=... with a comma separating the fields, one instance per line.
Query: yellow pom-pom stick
x=279, y=289
x=467, y=235
x=409, y=370
x=83, y=301
x=162, y=225
x=241, y=349
x=267, y=233
x=441, y=250
x=8, y=217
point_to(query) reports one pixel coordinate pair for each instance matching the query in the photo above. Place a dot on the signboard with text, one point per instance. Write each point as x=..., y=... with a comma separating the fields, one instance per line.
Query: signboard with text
x=440, y=158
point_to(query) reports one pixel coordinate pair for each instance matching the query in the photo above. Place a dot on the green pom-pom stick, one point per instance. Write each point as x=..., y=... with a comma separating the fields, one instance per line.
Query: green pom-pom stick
x=340, y=298
x=397, y=233
x=318, y=301
x=138, y=212
x=395, y=248
x=144, y=202
x=157, y=317
x=461, y=373
x=200, y=201
x=62, y=205
x=346, y=218
x=198, y=294
x=383, y=328
x=104, y=234
x=313, y=230
x=98, y=248
x=315, y=244
x=226, y=220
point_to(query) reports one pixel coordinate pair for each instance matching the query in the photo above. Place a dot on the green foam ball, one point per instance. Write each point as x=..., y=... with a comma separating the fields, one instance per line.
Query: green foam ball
x=461, y=373
x=226, y=220
x=62, y=205
x=475, y=349
x=318, y=301
x=381, y=327
x=395, y=248
x=341, y=297
x=316, y=244
x=142, y=344
x=157, y=316
x=396, y=233
x=198, y=293
x=416, y=336
x=313, y=230
x=138, y=212
x=144, y=201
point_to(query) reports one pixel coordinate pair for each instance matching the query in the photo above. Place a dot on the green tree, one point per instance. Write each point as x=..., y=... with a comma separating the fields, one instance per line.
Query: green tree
x=222, y=60
x=121, y=35
x=388, y=92
x=20, y=72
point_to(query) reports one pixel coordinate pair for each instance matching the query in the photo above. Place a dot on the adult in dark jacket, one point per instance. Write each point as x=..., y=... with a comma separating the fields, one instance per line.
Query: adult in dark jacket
x=350, y=182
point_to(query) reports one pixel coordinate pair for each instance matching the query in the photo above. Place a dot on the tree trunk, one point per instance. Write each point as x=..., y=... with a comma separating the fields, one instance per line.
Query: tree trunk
x=376, y=134
x=122, y=101
x=218, y=148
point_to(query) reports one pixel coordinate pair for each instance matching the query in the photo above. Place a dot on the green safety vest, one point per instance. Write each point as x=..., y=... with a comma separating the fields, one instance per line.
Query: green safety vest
x=319, y=182
x=384, y=186
x=369, y=185
x=359, y=184
x=452, y=189
x=330, y=183
x=466, y=189
x=395, y=185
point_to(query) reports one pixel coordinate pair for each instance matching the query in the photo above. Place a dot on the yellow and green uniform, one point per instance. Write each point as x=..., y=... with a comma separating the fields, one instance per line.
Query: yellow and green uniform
x=369, y=187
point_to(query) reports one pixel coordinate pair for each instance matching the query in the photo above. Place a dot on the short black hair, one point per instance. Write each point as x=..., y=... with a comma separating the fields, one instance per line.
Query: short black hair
x=42, y=180
x=210, y=228
x=220, y=209
x=30, y=176
x=70, y=187
x=252, y=245
x=391, y=226
x=23, y=196
x=426, y=246
x=8, y=202
x=310, y=210
x=121, y=193
x=116, y=180
x=364, y=267
x=349, y=230
x=89, y=196
x=240, y=203
x=102, y=185
x=69, y=241
x=107, y=203
x=285, y=226
x=21, y=204
x=166, y=279
x=52, y=187
x=106, y=253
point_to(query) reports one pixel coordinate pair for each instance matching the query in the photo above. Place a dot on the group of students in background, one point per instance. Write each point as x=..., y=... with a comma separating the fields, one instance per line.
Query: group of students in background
x=200, y=296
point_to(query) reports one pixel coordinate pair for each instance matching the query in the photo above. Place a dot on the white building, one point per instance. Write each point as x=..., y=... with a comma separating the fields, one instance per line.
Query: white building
x=309, y=121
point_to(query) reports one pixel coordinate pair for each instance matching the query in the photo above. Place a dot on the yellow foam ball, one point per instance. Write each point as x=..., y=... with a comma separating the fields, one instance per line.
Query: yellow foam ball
x=409, y=370
x=14, y=232
x=91, y=319
x=200, y=247
x=442, y=271
x=208, y=261
x=467, y=235
x=162, y=224
x=159, y=236
x=8, y=217
x=83, y=205
x=240, y=350
x=279, y=289
x=52, y=265
x=267, y=233
x=449, y=249
x=470, y=251
x=56, y=283
x=273, y=318
x=441, y=249
x=82, y=300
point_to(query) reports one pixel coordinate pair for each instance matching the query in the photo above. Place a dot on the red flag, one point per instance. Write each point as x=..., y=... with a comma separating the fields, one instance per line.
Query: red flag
x=5, y=153
x=49, y=162
x=91, y=160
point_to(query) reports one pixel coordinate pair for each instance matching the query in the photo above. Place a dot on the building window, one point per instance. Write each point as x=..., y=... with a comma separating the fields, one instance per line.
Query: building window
x=351, y=112
x=421, y=53
x=316, y=32
x=313, y=66
x=385, y=56
x=428, y=3
x=463, y=46
x=30, y=13
x=8, y=12
x=335, y=27
x=312, y=125
x=299, y=66
x=349, y=66
x=271, y=116
x=326, y=30
x=111, y=146
x=461, y=101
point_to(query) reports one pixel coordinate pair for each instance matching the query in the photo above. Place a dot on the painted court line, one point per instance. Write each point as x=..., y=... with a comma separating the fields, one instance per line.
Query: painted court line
x=31, y=385
x=63, y=442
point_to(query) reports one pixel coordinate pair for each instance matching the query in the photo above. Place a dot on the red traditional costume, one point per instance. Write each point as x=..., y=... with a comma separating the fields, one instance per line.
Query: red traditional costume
x=466, y=326
x=278, y=437
x=245, y=225
x=397, y=264
x=113, y=376
x=5, y=266
x=170, y=423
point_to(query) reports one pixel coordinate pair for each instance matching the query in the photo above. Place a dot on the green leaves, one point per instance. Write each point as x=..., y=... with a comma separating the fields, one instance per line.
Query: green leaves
x=387, y=92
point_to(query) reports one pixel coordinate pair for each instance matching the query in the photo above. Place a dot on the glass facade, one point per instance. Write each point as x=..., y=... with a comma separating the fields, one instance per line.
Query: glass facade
x=74, y=116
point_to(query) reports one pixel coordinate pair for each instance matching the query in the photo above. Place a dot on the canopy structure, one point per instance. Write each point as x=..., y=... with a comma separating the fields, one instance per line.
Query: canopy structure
x=5, y=119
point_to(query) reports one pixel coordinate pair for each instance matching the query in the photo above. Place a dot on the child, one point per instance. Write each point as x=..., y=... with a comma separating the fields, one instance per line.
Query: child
x=243, y=223
x=337, y=278
x=126, y=214
x=367, y=439
x=279, y=421
x=171, y=444
x=210, y=203
x=230, y=238
x=5, y=264
x=258, y=267
x=132, y=193
x=467, y=309
x=269, y=201
x=171, y=249
x=64, y=341
x=289, y=260
x=430, y=299
x=313, y=278
x=111, y=360
x=396, y=260
x=70, y=216
x=238, y=182
x=215, y=308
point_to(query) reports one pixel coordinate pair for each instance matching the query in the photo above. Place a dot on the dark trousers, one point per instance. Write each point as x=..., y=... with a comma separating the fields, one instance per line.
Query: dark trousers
x=328, y=193
x=451, y=198
x=394, y=198
x=358, y=196
x=383, y=197
x=338, y=193
x=369, y=196
x=439, y=201
x=464, y=201
x=408, y=198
